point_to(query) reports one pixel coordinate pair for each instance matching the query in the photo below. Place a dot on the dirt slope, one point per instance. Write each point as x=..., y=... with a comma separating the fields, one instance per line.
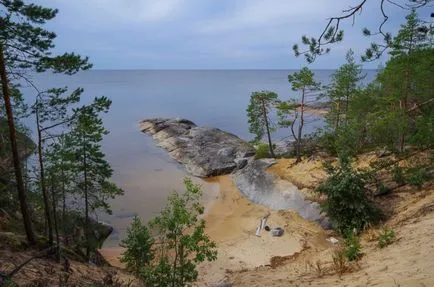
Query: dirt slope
x=407, y=262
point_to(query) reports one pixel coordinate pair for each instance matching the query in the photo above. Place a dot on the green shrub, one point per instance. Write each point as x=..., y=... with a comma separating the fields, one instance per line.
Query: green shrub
x=415, y=175
x=180, y=242
x=138, y=246
x=386, y=238
x=347, y=204
x=398, y=174
x=262, y=151
x=353, y=247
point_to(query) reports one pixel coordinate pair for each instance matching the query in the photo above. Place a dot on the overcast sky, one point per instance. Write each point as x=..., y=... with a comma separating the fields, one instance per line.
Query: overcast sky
x=206, y=34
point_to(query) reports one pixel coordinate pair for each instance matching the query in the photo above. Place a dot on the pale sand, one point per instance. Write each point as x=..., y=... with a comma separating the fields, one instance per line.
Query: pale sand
x=406, y=262
x=232, y=223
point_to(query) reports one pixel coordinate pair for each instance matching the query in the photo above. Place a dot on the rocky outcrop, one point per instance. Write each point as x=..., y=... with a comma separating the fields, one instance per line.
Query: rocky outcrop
x=268, y=189
x=204, y=151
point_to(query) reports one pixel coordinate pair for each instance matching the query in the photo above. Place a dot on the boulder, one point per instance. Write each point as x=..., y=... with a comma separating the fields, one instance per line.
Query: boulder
x=204, y=151
x=277, y=232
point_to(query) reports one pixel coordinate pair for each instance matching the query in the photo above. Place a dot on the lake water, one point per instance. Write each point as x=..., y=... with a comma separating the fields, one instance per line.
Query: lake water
x=215, y=98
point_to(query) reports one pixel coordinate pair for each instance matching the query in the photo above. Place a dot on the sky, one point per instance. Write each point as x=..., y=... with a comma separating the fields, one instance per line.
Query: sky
x=208, y=34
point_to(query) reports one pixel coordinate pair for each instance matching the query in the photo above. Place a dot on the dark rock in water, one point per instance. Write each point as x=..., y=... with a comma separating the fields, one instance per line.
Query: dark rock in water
x=268, y=189
x=204, y=151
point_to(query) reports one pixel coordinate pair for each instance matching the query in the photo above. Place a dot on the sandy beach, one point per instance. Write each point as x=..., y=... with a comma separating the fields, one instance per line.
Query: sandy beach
x=231, y=222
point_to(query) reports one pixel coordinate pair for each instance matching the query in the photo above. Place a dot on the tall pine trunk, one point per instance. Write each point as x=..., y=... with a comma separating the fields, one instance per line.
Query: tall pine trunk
x=347, y=104
x=64, y=207
x=42, y=178
x=300, y=127
x=16, y=158
x=267, y=126
x=56, y=229
x=338, y=113
x=86, y=202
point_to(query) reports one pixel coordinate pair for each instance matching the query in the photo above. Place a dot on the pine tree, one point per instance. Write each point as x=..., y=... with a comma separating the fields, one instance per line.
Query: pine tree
x=60, y=163
x=51, y=111
x=342, y=88
x=258, y=115
x=304, y=82
x=25, y=46
x=94, y=172
x=401, y=78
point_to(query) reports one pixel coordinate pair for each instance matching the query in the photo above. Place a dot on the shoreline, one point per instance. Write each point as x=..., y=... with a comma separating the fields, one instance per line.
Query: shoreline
x=231, y=221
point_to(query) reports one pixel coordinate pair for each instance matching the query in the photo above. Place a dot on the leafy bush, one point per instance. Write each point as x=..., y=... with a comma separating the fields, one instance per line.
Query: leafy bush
x=262, y=151
x=386, y=238
x=353, y=247
x=398, y=174
x=347, y=204
x=180, y=242
x=415, y=175
x=138, y=246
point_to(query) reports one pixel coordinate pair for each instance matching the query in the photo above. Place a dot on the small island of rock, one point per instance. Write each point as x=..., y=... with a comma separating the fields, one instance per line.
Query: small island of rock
x=204, y=151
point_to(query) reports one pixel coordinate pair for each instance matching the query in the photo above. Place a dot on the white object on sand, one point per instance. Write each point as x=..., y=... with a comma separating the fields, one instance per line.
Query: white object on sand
x=332, y=240
x=258, y=230
x=263, y=222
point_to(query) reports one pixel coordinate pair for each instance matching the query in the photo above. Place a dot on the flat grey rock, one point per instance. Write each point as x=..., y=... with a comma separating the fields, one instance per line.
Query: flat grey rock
x=204, y=151
x=269, y=190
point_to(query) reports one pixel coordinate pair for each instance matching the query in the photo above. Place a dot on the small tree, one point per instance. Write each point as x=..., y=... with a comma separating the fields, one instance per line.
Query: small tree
x=304, y=82
x=51, y=110
x=88, y=161
x=138, y=244
x=347, y=205
x=342, y=89
x=287, y=115
x=258, y=116
x=180, y=242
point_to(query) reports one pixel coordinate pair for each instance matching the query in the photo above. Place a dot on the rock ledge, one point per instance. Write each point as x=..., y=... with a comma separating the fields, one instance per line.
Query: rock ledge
x=204, y=151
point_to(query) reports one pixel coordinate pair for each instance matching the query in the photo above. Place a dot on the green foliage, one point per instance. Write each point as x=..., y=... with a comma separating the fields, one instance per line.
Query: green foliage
x=180, y=242
x=396, y=109
x=353, y=247
x=27, y=45
x=347, y=204
x=342, y=89
x=138, y=244
x=87, y=159
x=398, y=174
x=304, y=82
x=262, y=151
x=258, y=113
x=386, y=238
x=9, y=283
x=415, y=175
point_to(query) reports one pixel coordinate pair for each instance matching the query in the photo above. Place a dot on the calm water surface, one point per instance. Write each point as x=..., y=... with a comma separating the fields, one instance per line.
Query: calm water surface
x=210, y=98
